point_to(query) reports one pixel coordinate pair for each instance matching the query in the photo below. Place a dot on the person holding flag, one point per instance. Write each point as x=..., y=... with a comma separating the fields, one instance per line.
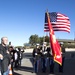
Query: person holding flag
x=56, y=21
x=54, y=43
x=44, y=57
x=63, y=58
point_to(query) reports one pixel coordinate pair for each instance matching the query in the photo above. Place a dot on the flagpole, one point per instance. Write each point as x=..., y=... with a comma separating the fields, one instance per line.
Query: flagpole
x=43, y=41
x=44, y=36
x=49, y=29
x=54, y=43
x=74, y=36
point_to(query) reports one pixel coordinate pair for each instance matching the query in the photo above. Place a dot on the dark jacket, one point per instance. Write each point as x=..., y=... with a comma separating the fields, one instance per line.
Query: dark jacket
x=12, y=53
x=49, y=53
x=20, y=55
x=36, y=53
x=63, y=51
x=6, y=58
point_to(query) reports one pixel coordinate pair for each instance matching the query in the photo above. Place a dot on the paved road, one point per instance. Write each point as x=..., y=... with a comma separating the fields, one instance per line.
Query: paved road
x=27, y=67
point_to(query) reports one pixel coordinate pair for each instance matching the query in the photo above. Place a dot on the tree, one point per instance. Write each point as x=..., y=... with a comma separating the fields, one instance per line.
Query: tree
x=47, y=39
x=27, y=45
x=41, y=40
x=34, y=39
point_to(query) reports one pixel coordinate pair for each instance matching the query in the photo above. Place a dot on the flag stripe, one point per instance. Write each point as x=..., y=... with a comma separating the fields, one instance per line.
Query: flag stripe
x=59, y=22
x=58, y=26
x=57, y=29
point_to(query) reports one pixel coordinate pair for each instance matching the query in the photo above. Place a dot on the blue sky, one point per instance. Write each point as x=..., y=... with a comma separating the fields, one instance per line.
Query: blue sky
x=19, y=19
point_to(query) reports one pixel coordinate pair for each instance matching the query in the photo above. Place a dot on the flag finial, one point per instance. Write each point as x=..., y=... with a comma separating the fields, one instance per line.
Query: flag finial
x=47, y=10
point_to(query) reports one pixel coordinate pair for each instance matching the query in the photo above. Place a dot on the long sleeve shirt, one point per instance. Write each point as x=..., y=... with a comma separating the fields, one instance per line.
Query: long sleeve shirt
x=6, y=58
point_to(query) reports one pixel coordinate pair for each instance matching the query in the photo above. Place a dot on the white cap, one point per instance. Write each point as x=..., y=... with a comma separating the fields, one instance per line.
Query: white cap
x=44, y=43
x=37, y=44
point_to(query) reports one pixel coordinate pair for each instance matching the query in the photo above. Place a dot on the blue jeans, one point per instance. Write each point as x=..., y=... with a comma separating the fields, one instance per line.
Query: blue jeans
x=51, y=65
x=36, y=65
x=43, y=64
x=6, y=73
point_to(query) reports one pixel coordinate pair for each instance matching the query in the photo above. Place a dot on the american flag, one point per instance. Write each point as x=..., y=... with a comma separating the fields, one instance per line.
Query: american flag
x=59, y=22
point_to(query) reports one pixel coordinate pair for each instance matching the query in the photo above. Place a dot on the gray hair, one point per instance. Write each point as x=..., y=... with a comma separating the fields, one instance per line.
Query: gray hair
x=2, y=39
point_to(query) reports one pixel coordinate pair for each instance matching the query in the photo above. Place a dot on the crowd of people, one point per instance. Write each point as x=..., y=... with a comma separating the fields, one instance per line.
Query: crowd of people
x=16, y=56
x=42, y=55
x=10, y=57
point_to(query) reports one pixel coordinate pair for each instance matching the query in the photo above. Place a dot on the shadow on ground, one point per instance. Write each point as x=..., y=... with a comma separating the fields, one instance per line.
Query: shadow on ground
x=69, y=67
x=16, y=73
